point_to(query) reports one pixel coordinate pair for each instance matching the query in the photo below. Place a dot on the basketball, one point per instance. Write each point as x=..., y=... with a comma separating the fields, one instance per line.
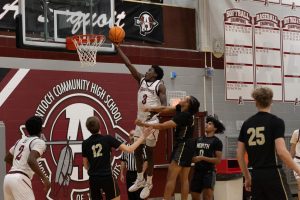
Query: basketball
x=116, y=34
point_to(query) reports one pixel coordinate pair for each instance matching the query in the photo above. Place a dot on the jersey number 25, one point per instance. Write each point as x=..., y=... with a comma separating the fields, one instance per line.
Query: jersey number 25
x=257, y=136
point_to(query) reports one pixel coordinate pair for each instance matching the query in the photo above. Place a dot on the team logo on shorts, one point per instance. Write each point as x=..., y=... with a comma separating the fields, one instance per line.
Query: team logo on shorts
x=65, y=110
x=145, y=22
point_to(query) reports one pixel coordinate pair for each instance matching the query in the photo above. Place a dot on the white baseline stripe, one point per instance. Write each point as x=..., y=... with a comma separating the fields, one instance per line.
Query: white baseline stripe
x=12, y=84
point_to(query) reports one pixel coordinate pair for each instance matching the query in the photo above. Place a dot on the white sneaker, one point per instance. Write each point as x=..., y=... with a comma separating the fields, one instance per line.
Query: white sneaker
x=137, y=185
x=146, y=191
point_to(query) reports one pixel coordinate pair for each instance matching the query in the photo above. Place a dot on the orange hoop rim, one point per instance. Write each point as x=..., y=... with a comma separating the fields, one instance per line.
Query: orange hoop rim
x=82, y=39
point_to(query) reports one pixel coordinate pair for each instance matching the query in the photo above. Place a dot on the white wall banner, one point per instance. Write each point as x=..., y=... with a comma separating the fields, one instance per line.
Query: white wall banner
x=261, y=45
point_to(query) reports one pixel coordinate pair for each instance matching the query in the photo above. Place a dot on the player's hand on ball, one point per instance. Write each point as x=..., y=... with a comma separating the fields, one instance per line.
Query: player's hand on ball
x=116, y=35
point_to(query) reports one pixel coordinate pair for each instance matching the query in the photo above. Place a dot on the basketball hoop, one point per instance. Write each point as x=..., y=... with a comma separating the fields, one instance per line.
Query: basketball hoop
x=87, y=47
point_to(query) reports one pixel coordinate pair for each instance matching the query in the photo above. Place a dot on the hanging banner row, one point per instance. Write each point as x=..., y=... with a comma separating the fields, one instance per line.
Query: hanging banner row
x=261, y=50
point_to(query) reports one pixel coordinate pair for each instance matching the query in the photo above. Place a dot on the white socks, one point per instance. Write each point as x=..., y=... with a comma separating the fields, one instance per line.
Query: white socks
x=140, y=176
x=149, y=180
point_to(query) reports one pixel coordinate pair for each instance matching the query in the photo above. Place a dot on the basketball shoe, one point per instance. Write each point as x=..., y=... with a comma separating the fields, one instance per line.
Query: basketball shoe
x=137, y=185
x=146, y=191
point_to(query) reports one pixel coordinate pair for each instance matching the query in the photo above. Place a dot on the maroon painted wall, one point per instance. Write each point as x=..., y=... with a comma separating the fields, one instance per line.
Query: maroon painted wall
x=28, y=95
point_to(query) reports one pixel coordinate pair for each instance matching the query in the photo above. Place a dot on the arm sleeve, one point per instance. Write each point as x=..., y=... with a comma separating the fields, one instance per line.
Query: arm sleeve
x=114, y=142
x=278, y=128
x=295, y=137
x=39, y=146
x=181, y=118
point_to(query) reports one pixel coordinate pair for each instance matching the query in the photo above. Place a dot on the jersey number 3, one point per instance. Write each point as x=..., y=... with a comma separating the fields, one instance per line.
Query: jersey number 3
x=257, y=136
x=97, y=148
x=144, y=101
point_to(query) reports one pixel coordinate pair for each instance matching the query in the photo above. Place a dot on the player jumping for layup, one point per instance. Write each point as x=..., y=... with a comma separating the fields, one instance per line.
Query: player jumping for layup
x=151, y=93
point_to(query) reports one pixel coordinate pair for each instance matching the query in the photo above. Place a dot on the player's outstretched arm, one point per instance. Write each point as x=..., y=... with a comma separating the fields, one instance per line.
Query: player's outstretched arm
x=160, y=126
x=32, y=162
x=136, y=75
x=160, y=109
x=138, y=142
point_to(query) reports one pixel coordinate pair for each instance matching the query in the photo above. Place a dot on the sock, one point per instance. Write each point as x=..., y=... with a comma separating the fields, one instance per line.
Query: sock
x=149, y=179
x=140, y=176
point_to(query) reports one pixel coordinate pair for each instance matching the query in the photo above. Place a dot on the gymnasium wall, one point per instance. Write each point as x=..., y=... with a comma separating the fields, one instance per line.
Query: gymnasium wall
x=116, y=80
x=49, y=69
x=65, y=99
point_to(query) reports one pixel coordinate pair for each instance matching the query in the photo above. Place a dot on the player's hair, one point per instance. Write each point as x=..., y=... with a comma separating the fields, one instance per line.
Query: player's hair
x=34, y=125
x=263, y=96
x=159, y=71
x=93, y=124
x=217, y=124
x=193, y=105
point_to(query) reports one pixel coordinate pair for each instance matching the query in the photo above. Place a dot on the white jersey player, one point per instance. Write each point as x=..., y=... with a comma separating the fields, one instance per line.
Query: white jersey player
x=148, y=97
x=295, y=152
x=23, y=158
x=152, y=92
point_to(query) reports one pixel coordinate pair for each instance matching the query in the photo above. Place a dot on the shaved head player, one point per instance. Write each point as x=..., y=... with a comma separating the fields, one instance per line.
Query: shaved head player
x=152, y=93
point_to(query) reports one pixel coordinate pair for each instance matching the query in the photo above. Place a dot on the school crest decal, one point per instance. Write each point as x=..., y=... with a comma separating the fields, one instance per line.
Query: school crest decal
x=146, y=23
x=65, y=109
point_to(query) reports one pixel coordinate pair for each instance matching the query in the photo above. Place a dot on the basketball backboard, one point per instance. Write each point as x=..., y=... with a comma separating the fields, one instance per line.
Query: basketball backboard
x=47, y=23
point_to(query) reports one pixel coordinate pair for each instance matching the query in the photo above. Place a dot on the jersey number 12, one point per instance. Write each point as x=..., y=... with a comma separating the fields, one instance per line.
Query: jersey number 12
x=97, y=148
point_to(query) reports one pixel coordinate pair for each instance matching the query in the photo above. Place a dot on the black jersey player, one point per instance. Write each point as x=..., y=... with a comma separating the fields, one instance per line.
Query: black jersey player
x=208, y=153
x=96, y=153
x=262, y=137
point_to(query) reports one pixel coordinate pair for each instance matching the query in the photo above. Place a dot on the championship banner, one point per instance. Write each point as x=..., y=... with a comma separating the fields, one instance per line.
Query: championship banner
x=65, y=100
x=261, y=41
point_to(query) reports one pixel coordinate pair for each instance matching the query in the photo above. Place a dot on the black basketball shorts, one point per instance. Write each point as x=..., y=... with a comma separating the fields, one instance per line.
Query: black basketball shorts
x=107, y=184
x=183, y=153
x=203, y=179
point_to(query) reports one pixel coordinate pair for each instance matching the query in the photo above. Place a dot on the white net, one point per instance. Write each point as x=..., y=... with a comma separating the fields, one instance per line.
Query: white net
x=87, y=47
